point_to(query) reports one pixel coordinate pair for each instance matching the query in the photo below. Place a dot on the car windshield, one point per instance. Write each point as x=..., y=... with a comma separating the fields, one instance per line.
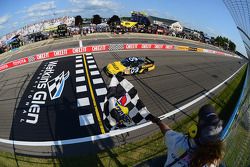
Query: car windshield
x=125, y=62
x=132, y=61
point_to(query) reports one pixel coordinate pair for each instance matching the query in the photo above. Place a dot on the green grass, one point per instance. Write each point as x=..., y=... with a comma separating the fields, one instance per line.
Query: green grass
x=131, y=153
x=237, y=150
x=238, y=142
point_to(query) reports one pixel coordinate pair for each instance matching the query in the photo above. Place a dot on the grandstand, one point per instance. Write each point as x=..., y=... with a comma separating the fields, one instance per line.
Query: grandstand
x=38, y=27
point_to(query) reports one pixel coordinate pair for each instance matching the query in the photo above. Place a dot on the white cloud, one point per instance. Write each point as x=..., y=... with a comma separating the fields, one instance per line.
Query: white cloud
x=15, y=24
x=167, y=15
x=39, y=10
x=42, y=6
x=43, y=10
x=95, y=4
x=152, y=12
x=68, y=11
x=76, y=1
x=102, y=4
x=38, y=14
x=4, y=19
x=211, y=31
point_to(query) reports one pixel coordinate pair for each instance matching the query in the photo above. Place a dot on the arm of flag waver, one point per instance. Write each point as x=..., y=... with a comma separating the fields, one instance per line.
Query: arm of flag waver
x=123, y=107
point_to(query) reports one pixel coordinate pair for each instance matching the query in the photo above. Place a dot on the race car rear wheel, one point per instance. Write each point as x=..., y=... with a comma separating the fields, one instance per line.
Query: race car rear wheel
x=106, y=72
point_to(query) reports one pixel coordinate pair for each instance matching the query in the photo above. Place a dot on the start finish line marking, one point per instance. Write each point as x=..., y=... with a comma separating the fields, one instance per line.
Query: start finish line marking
x=56, y=98
x=97, y=112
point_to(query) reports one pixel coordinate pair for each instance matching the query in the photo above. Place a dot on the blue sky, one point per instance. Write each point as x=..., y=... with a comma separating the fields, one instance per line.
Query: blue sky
x=210, y=16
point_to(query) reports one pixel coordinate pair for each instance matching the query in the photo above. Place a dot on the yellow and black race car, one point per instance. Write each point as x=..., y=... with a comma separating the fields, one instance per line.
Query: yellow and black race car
x=129, y=66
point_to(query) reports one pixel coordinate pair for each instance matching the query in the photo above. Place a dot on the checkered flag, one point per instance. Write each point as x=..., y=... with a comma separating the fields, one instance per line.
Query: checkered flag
x=116, y=46
x=56, y=85
x=123, y=106
x=31, y=58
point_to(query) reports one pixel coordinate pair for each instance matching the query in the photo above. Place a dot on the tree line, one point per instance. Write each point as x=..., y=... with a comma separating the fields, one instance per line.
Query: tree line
x=224, y=43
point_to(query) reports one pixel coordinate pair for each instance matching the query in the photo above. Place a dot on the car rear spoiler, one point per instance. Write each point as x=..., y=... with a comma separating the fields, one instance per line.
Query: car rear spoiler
x=151, y=61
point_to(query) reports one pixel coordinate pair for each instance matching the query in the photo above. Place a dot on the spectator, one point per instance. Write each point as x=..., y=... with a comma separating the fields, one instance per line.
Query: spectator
x=204, y=150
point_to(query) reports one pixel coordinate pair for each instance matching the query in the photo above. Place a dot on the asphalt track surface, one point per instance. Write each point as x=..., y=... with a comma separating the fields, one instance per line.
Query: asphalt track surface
x=179, y=78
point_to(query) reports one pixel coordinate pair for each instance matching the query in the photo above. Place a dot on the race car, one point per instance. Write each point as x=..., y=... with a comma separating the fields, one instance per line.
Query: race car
x=129, y=66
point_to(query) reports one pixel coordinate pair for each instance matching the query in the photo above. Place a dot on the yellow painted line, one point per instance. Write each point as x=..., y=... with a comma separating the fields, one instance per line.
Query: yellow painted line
x=93, y=97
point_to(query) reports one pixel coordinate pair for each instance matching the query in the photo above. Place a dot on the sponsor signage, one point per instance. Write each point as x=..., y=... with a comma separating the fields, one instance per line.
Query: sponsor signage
x=96, y=48
x=146, y=46
x=130, y=46
x=158, y=46
x=46, y=87
x=46, y=98
x=3, y=67
x=42, y=56
x=169, y=47
x=20, y=61
x=62, y=52
x=79, y=50
x=182, y=48
x=220, y=53
x=192, y=49
x=200, y=50
x=99, y=48
x=14, y=63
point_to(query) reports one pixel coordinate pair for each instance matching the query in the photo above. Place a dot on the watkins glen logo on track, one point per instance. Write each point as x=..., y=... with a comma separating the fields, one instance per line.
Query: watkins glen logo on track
x=43, y=87
x=56, y=85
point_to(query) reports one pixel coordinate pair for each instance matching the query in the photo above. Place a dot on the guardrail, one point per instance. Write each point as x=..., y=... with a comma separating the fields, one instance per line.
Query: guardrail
x=225, y=131
x=237, y=132
x=103, y=48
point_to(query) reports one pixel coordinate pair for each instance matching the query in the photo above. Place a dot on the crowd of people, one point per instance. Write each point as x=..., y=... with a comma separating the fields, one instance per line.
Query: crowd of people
x=38, y=27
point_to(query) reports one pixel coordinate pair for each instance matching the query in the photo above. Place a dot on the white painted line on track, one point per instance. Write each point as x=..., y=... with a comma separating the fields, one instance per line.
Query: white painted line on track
x=89, y=57
x=79, y=71
x=102, y=106
x=79, y=65
x=92, y=66
x=91, y=61
x=94, y=73
x=79, y=61
x=101, y=91
x=81, y=88
x=88, y=54
x=87, y=119
x=80, y=43
x=114, y=132
x=97, y=81
x=81, y=102
x=80, y=79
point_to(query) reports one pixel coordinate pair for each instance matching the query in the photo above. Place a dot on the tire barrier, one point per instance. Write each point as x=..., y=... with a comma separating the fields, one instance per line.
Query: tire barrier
x=103, y=48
